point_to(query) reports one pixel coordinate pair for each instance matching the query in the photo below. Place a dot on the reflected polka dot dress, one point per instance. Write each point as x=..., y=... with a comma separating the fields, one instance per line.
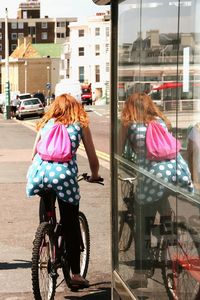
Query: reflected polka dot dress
x=174, y=171
x=61, y=177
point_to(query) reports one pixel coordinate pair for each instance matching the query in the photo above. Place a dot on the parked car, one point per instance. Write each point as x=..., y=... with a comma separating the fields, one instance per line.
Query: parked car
x=30, y=107
x=23, y=96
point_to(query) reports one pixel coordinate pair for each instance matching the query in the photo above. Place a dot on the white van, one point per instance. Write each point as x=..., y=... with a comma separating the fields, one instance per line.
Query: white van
x=68, y=86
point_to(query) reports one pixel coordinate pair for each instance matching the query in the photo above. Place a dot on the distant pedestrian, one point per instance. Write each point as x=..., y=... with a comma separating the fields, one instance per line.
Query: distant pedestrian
x=14, y=103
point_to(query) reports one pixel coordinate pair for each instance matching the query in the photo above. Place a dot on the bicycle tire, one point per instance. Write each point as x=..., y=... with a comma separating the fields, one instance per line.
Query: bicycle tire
x=85, y=244
x=125, y=232
x=85, y=251
x=42, y=211
x=43, y=279
x=178, y=281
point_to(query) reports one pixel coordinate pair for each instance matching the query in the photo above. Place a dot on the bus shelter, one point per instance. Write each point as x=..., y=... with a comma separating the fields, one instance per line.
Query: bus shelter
x=155, y=51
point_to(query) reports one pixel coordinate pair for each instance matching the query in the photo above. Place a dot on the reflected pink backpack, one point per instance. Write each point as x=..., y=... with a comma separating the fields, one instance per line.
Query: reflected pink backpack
x=55, y=145
x=160, y=144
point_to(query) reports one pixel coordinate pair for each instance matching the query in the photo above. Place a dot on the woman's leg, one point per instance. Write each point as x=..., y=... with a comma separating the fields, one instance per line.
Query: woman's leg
x=145, y=217
x=69, y=214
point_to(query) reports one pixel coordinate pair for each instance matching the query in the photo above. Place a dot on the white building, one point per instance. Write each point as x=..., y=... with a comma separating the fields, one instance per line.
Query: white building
x=86, y=54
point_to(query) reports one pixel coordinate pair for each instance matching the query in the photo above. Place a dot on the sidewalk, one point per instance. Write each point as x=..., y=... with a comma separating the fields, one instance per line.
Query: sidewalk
x=19, y=219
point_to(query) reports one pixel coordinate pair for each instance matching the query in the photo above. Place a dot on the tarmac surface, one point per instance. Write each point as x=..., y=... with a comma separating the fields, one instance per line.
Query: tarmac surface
x=19, y=220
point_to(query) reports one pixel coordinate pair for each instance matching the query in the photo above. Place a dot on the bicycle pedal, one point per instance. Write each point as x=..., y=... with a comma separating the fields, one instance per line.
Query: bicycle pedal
x=54, y=274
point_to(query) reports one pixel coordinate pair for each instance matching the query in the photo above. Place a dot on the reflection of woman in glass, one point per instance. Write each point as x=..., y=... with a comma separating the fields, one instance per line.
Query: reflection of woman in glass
x=151, y=196
x=193, y=149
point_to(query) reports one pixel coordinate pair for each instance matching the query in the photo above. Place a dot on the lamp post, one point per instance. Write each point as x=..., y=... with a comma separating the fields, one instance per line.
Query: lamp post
x=48, y=85
x=7, y=114
x=25, y=75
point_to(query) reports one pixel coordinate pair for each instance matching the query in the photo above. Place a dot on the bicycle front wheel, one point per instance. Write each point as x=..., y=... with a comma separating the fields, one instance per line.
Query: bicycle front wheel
x=126, y=228
x=44, y=276
x=85, y=244
x=181, y=270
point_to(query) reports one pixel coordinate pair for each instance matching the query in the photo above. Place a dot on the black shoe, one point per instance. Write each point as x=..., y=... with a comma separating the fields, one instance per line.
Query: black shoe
x=139, y=280
x=79, y=284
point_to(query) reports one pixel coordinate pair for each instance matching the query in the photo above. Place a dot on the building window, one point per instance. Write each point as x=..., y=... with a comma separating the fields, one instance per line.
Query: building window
x=24, y=14
x=0, y=36
x=81, y=74
x=20, y=35
x=97, y=31
x=97, y=73
x=13, y=36
x=0, y=47
x=20, y=25
x=44, y=24
x=81, y=32
x=97, y=50
x=0, y=57
x=107, y=31
x=81, y=51
x=60, y=35
x=31, y=30
x=44, y=36
x=14, y=25
x=60, y=24
x=107, y=47
x=13, y=47
x=107, y=67
x=0, y=24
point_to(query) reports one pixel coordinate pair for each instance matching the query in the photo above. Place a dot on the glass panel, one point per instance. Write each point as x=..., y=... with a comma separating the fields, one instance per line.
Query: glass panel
x=158, y=200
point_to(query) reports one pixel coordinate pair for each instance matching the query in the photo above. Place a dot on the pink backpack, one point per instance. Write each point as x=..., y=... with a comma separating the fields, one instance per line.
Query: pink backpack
x=55, y=145
x=160, y=144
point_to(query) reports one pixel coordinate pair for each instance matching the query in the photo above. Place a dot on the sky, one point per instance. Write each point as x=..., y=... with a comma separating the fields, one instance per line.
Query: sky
x=58, y=8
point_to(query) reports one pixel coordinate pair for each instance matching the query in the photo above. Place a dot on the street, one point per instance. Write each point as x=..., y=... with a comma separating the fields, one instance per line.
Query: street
x=19, y=217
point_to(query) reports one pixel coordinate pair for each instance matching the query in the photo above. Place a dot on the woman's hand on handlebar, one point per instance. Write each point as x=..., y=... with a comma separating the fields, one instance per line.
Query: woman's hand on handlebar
x=93, y=178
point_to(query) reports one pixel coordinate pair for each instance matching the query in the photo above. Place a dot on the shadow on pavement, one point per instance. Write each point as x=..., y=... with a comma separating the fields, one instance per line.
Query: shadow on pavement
x=97, y=294
x=21, y=264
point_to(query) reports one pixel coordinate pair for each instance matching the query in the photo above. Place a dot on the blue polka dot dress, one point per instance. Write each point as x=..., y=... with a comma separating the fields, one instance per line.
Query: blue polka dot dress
x=174, y=171
x=60, y=177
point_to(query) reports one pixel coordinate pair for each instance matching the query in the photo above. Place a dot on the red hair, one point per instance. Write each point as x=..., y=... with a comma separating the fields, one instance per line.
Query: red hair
x=65, y=109
x=140, y=108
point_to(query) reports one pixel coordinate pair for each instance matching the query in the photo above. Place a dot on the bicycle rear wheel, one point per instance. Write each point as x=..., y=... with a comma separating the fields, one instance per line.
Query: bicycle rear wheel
x=182, y=267
x=44, y=276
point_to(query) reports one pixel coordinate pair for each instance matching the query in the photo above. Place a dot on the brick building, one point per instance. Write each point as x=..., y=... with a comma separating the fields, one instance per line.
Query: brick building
x=29, y=24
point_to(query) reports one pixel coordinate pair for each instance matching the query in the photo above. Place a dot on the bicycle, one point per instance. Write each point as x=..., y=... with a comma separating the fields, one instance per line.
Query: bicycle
x=50, y=252
x=127, y=213
x=175, y=248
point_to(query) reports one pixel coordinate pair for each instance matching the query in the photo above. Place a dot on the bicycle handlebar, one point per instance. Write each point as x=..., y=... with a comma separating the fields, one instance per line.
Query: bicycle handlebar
x=86, y=177
x=129, y=179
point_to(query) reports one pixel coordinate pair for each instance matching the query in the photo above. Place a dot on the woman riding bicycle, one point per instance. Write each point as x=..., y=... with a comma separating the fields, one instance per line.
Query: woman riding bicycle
x=61, y=177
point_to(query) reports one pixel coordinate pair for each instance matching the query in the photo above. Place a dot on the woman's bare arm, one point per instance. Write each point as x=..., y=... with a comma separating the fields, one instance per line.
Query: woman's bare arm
x=91, y=153
x=34, y=151
x=122, y=139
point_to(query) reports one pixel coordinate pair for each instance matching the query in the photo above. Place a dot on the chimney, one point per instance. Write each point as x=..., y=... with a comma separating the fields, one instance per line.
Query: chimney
x=154, y=38
x=27, y=40
x=20, y=42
